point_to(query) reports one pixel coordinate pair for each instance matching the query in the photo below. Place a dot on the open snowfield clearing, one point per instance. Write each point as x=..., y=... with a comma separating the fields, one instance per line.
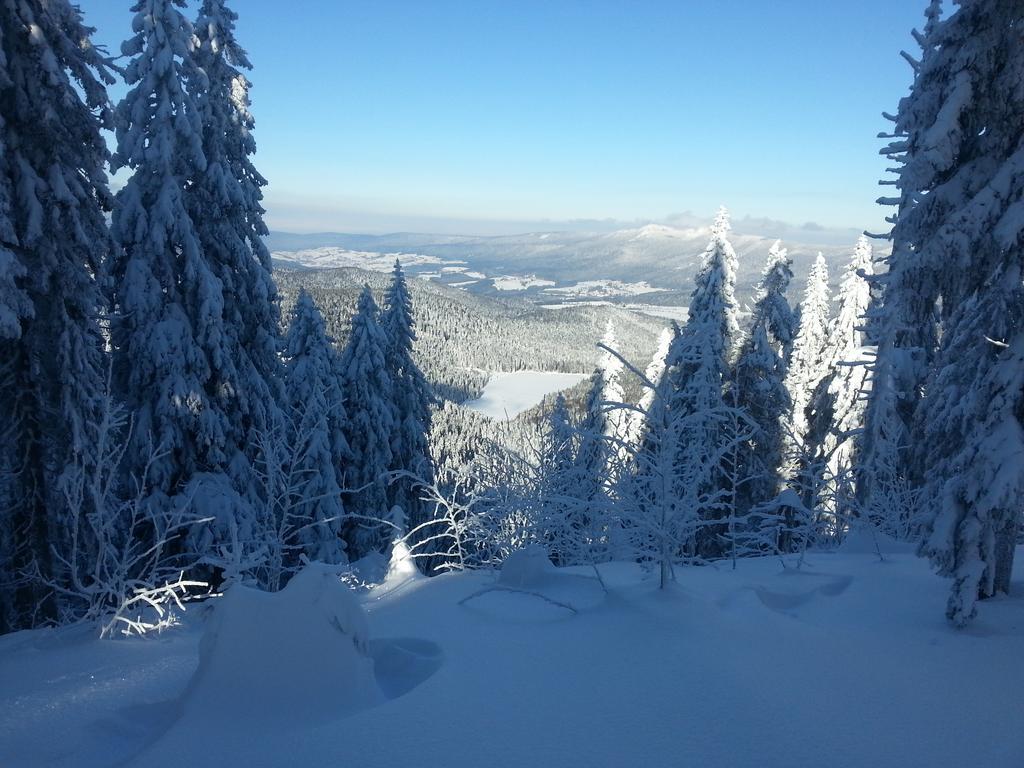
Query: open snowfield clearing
x=846, y=663
x=506, y=395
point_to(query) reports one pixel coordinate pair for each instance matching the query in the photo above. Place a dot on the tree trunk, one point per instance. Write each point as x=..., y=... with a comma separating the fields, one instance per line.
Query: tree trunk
x=1006, y=543
x=665, y=569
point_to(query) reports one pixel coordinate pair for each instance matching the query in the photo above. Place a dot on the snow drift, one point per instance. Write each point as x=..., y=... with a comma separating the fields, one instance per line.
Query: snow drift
x=528, y=575
x=845, y=663
x=294, y=654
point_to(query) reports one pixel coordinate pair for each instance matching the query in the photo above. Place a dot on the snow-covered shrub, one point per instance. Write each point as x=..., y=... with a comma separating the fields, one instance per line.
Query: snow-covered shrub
x=122, y=558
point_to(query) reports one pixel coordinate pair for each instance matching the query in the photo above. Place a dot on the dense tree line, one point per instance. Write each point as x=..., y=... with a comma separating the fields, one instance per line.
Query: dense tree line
x=463, y=338
x=703, y=462
x=155, y=420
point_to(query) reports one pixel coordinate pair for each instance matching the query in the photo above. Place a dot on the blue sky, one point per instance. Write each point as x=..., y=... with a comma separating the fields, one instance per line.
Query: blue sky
x=488, y=115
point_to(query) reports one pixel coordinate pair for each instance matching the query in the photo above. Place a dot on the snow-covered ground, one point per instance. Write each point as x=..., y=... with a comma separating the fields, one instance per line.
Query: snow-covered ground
x=506, y=395
x=603, y=288
x=519, y=282
x=846, y=663
x=330, y=257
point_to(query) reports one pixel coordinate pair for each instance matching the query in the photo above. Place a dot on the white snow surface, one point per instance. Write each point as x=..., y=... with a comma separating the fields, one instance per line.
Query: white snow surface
x=254, y=656
x=527, y=568
x=603, y=288
x=331, y=257
x=845, y=663
x=519, y=282
x=506, y=395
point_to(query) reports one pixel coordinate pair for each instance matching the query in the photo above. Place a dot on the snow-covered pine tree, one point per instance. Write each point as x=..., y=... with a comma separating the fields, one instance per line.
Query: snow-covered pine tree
x=966, y=230
x=699, y=374
x=655, y=501
x=847, y=332
x=412, y=399
x=975, y=446
x=780, y=320
x=714, y=294
x=603, y=431
x=807, y=364
x=675, y=492
x=320, y=451
x=837, y=408
x=225, y=207
x=903, y=320
x=561, y=513
x=595, y=455
x=53, y=239
x=758, y=385
x=370, y=425
x=167, y=326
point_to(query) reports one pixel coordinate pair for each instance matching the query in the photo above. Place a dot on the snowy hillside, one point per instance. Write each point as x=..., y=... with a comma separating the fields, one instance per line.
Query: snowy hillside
x=333, y=258
x=619, y=263
x=464, y=337
x=845, y=663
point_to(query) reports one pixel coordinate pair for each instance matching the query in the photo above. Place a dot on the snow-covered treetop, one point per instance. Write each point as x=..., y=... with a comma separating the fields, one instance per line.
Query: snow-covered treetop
x=398, y=318
x=854, y=299
x=713, y=299
x=215, y=29
x=808, y=365
x=957, y=140
x=610, y=365
x=933, y=14
x=224, y=103
x=66, y=55
x=52, y=86
x=53, y=184
x=158, y=121
x=771, y=308
x=778, y=271
x=306, y=332
x=721, y=226
x=816, y=294
x=364, y=356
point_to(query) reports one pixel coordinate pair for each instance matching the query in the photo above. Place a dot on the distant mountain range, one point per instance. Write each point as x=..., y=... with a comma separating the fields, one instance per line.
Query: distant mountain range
x=554, y=266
